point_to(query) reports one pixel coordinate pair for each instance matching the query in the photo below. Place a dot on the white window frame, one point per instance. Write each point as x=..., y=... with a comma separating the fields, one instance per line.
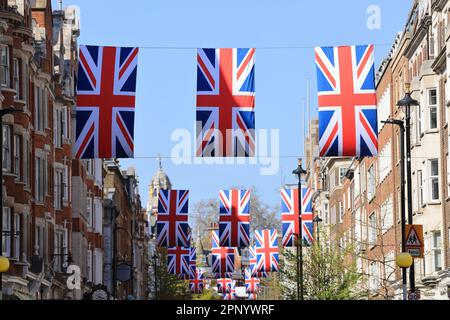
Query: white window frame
x=6, y=232
x=373, y=228
x=16, y=236
x=5, y=66
x=433, y=179
x=16, y=78
x=432, y=108
x=17, y=156
x=436, y=243
x=6, y=161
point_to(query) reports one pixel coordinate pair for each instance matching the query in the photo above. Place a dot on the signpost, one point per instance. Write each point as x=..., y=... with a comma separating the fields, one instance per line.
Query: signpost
x=414, y=240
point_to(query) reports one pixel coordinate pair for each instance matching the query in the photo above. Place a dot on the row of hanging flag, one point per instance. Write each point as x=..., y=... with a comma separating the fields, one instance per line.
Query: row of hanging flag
x=225, y=107
x=173, y=232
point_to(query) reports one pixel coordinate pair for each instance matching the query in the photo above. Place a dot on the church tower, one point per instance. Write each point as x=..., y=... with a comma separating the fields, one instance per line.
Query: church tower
x=159, y=182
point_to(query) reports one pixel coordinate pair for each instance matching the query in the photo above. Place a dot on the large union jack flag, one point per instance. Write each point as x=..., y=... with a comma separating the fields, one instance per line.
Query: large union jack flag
x=172, y=225
x=225, y=285
x=106, y=92
x=251, y=283
x=192, y=259
x=178, y=261
x=234, y=218
x=347, y=101
x=266, y=247
x=225, y=102
x=223, y=258
x=196, y=280
x=290, y=216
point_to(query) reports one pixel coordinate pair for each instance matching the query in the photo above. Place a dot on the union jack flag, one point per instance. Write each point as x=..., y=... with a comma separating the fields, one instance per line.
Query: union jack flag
x=224, y=285
x=347, y=101
x=229, y=296
x=222, y=257
x=251, y=283
x=172, y=225
x=253, y=265
x=106, y=92
x=266, y=247
x=234, y=218
x=178, y=261
x=225, y=102
x=196, y=281
x=192, y=260
x=290, y=217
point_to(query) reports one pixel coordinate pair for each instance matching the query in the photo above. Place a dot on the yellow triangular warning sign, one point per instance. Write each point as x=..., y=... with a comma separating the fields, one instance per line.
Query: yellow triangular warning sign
x=412, y=239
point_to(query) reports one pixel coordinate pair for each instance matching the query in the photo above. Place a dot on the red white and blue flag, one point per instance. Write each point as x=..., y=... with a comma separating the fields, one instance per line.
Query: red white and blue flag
x=234, y=218
x=224, y=285
x=172, y=224
x=266, y=247
x=178, y=261
x=253, y=265
x=223, y=258
x=290, y=216
x=251, y=283
x=225, y=102
x=192, y=259
x=196, y=280
x=347, y=101
x=106, y=92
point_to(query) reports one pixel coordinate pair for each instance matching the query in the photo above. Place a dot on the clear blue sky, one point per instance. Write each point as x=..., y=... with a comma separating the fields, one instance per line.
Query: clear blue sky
x=167, y=77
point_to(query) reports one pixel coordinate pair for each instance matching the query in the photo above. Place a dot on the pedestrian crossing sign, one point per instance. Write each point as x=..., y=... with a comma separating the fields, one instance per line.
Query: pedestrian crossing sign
x=414, y=240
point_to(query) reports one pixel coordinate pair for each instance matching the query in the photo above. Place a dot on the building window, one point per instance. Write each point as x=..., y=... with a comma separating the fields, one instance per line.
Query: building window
x=64, y=123
x=420, y=188
x=384, y=161
x=4, y=64
x=432, y=108
x=374, y=276
x=26, y=163
x=41, y=109
x=89, y=265
x=58, y=189
x=89, y=211
x=372, y=229
x=6, y=232
x=16, y=236
x=434, y=179
x=16, y=80
x=437, y=253
x=17, y=149
x=65, y=183
x=41, y=176
x=326, y=213
x=341, y=212
x=26, y=85
x=342, y=172
x=59, y=251
x=6, y=148
x=39, y=239
x=371, y=182
x=58, y=128
x=387, y=214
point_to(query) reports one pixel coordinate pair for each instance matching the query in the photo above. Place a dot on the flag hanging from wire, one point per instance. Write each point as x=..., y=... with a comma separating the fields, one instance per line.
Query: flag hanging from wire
x=225, y=102
x=106, y=92
x=347, y=101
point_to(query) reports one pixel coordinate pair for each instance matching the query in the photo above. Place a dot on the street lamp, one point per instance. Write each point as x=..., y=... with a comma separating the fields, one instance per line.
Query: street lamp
x=155, y=259
x=317, y=220
x=3, y=112
x=299, y=172
x=406, y=103
x=400, y=123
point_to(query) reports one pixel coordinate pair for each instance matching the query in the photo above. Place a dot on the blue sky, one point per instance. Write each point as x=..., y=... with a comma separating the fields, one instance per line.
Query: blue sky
x=167, y=77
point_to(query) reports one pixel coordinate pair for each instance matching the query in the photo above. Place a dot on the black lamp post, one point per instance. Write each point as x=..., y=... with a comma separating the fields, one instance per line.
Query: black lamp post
x=400, y=123
x=406, y=103
x=299, y=172
x=155, y=259
x=317, y=220
x=2, y=113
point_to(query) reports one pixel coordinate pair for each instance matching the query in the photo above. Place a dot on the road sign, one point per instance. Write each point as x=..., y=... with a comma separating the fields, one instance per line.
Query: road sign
x=123, y=272
x=413, y=295
x=414, y=240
